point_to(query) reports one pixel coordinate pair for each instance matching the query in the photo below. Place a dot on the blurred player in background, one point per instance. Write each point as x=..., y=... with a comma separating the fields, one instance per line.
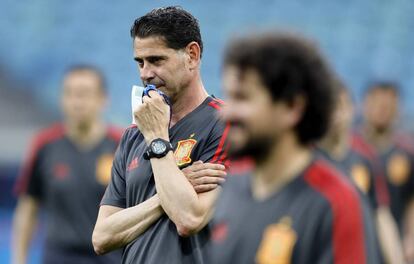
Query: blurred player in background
x=293, y=207
x=337, y=147
x=66, y=173
x=378, y=135
x=150, y=208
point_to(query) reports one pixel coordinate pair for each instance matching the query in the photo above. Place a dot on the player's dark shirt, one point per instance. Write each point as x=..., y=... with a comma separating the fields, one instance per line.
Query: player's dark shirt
x=397, y=166
x=69, y=182
x=360, y=171
x=198, y=136
x=316, y=218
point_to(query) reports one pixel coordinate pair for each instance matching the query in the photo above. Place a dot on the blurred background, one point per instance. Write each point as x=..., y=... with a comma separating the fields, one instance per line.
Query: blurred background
x=363, y=40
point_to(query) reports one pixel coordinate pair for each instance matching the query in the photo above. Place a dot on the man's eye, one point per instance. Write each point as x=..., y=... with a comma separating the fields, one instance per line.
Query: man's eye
x=154, y=60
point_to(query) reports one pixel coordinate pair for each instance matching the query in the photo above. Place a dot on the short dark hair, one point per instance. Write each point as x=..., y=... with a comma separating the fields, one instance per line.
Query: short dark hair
x=89, y=68
x=289, y=66
x=177, y=26
x=383, y=85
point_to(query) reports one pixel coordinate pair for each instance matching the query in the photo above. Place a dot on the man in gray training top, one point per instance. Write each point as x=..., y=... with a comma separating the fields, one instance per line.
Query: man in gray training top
x=150, y=207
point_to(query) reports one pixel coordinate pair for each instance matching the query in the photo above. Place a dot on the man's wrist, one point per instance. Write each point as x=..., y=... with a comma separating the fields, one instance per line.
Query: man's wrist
x=150, y=138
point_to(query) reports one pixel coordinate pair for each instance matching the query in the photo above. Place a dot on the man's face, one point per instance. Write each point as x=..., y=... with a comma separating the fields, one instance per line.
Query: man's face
x=164, y=67
x=82, y=99
x=256, y=121
x=381, y=108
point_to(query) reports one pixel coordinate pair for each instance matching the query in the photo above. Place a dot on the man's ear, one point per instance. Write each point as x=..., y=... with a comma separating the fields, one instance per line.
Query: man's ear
x=193, y=55
x=297, y=107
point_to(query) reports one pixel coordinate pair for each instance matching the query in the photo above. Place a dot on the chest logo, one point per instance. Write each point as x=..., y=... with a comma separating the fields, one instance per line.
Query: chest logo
x=219, y=233
x=360, y=176
x=133, y=164
x=277, y=243
x=61, y=171
x=103, y=168
x=182, y=153
x=398, y=169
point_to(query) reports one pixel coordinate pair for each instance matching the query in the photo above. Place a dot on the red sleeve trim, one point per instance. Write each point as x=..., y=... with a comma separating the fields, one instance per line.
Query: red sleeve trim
x=220, y=155
x=46, y=136
x=240, y=166
x=347, y=227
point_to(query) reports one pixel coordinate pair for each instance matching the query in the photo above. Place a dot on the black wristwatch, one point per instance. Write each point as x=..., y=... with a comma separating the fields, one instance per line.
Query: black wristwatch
x=158, y=148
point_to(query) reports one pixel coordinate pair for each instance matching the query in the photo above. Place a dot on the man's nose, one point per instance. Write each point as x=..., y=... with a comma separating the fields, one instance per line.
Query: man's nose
x=147, y=73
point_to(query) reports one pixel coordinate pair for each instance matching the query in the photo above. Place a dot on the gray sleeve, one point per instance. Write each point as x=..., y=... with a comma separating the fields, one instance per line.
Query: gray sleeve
x=30, y=181
x=115, y=193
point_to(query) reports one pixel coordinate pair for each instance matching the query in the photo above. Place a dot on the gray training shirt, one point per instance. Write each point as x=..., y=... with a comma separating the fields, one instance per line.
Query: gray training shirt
x=198, y=136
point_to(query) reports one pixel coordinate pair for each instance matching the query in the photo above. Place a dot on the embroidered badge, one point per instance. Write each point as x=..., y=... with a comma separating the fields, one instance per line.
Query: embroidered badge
x=398, y=169
x=103, y=168
x=183, y=151
x=277, y=243
x=360, y=176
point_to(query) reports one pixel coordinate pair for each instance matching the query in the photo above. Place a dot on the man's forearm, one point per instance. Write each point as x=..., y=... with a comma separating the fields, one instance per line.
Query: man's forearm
x=24, y=223
x=122, y=227
x=178, y=197
x=389, y=237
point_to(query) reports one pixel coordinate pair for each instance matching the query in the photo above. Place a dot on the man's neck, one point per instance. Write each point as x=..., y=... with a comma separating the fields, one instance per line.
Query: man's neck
x=86, y=135
x=286, y=161
x=336, y=145
x=189, y=100
x=381, y=139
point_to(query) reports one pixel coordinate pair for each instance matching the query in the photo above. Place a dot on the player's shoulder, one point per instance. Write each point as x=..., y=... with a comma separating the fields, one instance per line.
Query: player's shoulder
x=330, y=183
x=129, y=136
x=130, y=131
x=404, y=142
x=215, y=103
x=49, y=135
x=360, y=146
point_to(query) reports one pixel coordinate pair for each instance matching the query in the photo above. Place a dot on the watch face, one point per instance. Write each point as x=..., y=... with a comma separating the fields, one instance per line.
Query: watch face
x=158, y=147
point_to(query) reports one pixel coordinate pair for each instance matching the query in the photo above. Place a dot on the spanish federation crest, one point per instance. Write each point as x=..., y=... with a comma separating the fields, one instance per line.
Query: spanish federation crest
x=182, y=153
x=103, y=168
x=277, y=244
x=360, y=175
x=398, y=169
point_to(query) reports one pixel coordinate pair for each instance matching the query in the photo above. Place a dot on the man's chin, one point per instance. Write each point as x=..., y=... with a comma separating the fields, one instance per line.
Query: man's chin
x=257, y=150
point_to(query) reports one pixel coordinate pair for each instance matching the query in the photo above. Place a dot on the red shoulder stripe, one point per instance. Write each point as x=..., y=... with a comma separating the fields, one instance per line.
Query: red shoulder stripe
x=218, y=100
x=46, y=136
x=241, y=166
x=361, y=146
x=348, y=228
x=221, y=144
x=215, y=105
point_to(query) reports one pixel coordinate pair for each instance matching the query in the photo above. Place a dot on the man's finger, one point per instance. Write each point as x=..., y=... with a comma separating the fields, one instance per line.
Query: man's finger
x=209, y=172
x=154, y=94
x=205, y=188
x=214, y=166
x=208, y=180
